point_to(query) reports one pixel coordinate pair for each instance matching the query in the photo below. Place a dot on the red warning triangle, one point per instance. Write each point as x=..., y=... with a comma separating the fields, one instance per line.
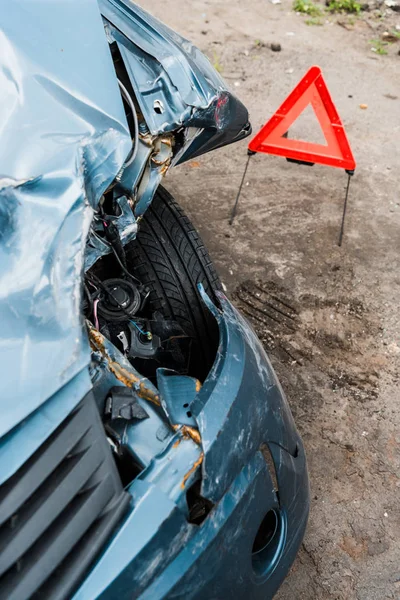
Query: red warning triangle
x=311, y=90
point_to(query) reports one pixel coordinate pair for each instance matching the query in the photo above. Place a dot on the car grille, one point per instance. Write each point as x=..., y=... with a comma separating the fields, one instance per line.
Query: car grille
x=58, y=510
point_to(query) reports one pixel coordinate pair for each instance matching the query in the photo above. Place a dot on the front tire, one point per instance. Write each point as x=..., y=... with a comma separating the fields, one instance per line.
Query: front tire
x=169, y=257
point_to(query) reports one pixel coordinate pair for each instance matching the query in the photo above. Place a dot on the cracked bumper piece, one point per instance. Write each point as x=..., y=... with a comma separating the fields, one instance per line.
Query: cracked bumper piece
x=249, y=539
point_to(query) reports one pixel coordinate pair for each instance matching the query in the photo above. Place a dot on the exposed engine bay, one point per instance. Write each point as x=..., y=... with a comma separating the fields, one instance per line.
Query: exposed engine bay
x=115, y=300
x=116, y=304
x=157, y=353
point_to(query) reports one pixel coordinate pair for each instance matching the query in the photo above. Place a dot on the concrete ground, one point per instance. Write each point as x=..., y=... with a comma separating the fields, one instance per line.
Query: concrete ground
x=338, y=351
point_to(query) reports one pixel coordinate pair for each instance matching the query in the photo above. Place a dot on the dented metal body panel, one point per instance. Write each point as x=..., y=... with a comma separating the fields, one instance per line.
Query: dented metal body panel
x=66, y=143
x=62, y=143
x=159, y=554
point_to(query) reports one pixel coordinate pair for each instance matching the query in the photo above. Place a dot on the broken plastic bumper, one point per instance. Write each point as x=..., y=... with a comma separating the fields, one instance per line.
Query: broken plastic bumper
x=249, y=540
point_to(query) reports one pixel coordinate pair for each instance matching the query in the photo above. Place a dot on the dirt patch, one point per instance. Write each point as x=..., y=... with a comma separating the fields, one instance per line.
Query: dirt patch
x=336, y=336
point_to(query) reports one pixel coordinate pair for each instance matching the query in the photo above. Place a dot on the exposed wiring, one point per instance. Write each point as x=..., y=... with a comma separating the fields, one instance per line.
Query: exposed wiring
x=135, y=148
x=125, y=270
x=96, y=320
x=89, y=297
x=107, y=243
x=87, y=277
x=103, y=240
x=140, y=330
x=107, y=291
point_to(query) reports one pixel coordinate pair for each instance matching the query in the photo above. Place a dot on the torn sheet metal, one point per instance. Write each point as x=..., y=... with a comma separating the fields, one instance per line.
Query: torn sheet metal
x=121, y=368
x=156, y=57
x=177, y=393
x=232, y=431
x=176, y=87
x=153, y=172
x=173, y=470
x=64, y=137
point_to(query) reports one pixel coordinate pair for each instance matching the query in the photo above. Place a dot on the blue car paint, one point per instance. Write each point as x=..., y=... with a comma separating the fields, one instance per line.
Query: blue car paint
x=22, y=441
x=64, y=140
x=157, y=56
x=64, y=137
x=239, y=408
x=168, y=72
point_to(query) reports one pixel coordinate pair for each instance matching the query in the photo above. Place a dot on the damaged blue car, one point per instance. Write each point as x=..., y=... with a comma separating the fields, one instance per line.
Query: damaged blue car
x=147, y=449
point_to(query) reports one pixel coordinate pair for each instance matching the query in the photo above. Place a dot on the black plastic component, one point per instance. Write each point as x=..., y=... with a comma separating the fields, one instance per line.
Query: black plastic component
x=225, y=122
x=123, y=404
x=198, y=506
x=300, y=162
x=121, y=300
x=142, y=345
x=295, y=160
x=58, y=510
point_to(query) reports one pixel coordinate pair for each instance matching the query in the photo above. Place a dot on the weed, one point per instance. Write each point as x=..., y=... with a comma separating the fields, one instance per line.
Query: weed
x=344, y=6
x=307, y=7
x=313, y=21
x=379, y=47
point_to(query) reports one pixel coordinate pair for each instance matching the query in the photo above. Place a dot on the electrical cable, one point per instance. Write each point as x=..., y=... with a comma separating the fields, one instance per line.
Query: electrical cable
x=89, y=297
x=140, y=330
x=96, y=320
x=131, y=104
x=125, y=270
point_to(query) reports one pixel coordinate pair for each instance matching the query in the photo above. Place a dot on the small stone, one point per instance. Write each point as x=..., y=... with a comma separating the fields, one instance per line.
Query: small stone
x=364, y=106
x=276, y=47
x=389, y=37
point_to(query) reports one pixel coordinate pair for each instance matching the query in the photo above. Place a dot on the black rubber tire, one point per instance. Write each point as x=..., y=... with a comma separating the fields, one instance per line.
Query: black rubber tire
x=169, y=257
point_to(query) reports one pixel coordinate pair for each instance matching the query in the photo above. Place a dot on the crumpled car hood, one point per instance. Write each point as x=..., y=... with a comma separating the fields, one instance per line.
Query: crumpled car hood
x=64, y=137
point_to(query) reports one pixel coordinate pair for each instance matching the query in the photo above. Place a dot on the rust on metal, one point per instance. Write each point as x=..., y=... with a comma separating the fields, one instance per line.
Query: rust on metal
x=192, y=433
x=192, y=470
x=189, y=432
x=176, y=444
x=126, y=377
x=164, y=169
x=159, y=163
x=147, y=139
